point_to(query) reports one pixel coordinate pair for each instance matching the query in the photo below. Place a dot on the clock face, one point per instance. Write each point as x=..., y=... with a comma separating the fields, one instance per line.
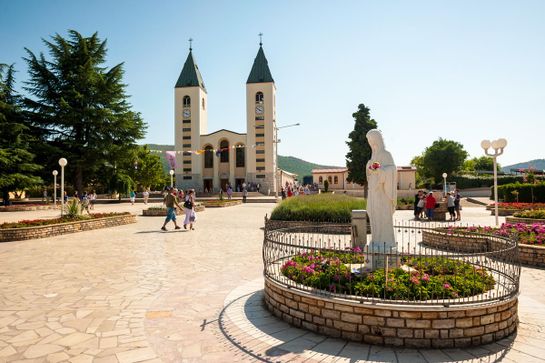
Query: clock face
x=259, y=110
x=187, y=113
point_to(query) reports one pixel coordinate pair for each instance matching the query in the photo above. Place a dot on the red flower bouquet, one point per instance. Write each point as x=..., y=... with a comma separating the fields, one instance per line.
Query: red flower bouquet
x=375, y=165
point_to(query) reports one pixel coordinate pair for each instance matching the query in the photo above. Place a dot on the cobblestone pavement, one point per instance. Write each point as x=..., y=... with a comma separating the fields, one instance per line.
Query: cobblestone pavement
x=136, y=294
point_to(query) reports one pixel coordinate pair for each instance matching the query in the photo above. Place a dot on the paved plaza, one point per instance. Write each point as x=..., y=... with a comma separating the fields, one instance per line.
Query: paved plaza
x=136, y=294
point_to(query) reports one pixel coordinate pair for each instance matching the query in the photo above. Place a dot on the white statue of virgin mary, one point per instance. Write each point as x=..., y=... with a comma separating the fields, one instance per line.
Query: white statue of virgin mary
x=382, y=196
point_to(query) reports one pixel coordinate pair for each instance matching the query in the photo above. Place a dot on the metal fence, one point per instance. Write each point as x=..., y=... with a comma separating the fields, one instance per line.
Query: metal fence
x=325, y=262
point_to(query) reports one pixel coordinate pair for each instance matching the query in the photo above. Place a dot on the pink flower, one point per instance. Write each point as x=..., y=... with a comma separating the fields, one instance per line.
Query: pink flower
x=425, y=277
x=446, y=285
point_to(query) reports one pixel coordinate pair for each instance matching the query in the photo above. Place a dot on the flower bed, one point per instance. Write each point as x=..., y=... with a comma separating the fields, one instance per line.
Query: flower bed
x=42, y=228
x=419, y=278
x=336, y=208
x=517, y=206
x=528, y=234
x=531, y=214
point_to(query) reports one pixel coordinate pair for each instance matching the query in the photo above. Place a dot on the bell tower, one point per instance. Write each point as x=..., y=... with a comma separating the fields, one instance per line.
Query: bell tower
x=190, y=121
x=261, y=123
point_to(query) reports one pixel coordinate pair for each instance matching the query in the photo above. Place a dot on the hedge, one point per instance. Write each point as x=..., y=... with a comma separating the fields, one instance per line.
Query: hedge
x=468, y=181
x=527, y=193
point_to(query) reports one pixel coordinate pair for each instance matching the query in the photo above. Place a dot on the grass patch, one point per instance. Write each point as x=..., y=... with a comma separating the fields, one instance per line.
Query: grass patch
x=64, y=219
x=318, y=208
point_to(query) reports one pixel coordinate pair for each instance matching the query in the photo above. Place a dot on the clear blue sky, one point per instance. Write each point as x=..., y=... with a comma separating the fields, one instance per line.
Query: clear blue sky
x=463, y=70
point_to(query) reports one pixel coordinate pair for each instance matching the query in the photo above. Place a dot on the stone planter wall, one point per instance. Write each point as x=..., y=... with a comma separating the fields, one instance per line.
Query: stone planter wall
x=528, y=254
x=395, y=325
x=218, y=204
x=163, y=212
x=25, y=208
x=333, y=228
x=515, y=220
x=17, y=234
x=502, y=212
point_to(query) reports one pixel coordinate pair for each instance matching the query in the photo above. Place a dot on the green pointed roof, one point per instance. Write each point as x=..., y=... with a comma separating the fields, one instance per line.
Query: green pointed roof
x=260, y=72
x=190, y=76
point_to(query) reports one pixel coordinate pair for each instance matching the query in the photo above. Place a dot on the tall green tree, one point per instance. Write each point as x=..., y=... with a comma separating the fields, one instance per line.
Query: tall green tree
x=483, y=163
x=147, y=170
x=359, y=151
x=80, y=106
x=17, y=167
x=443, y=156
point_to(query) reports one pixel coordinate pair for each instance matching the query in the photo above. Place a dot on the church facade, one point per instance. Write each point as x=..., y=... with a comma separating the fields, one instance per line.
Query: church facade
x=208, y=161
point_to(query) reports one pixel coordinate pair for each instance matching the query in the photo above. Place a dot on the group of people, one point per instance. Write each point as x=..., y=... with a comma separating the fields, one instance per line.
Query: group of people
x=171, y=199
x=87, y=199
x=291, y=189
x=425, y=204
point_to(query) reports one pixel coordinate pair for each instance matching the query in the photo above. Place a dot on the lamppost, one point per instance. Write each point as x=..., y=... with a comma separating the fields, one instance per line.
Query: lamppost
x=498, y=146
x=62, y=163
x=445, y=184
x=171, y=172
x=276, y=141
x=55, y=173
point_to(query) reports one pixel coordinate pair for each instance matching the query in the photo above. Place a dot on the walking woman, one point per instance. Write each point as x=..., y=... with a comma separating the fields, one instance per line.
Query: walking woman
x=189, y=209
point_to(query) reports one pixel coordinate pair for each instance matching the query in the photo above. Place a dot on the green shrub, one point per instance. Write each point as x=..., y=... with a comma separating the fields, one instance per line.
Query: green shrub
x=318, y=208
x=525, y=193
x=326, y=185
x=532, y=214
x=73, y=208
x=469, y=181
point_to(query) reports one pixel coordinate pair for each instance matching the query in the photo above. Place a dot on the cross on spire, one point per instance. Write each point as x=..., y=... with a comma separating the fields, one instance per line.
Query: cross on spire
x=190, y=44
x=260, y=39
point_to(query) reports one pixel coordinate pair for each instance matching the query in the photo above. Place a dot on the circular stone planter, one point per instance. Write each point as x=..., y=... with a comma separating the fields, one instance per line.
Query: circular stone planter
x=530, y=255
x=163, y=212
x=24, y=233
x=394, y=325
x=26, y=208
x=220, y=204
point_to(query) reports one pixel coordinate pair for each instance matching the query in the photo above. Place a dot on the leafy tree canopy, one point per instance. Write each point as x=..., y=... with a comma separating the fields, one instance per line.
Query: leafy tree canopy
x=17, y=168
x=80, y=107
x=359, y=150
x=443, y=156
x=483, y=163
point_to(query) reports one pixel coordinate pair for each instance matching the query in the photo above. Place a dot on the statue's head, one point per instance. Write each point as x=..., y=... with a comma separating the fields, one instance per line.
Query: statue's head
x=375, y=139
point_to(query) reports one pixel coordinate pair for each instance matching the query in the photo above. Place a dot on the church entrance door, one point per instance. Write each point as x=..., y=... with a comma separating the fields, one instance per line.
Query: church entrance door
x=224, y=183
x=208, y=185
x=238, y=183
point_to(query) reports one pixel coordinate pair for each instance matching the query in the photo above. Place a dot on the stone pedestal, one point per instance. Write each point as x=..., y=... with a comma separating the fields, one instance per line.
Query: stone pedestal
x=359, y=229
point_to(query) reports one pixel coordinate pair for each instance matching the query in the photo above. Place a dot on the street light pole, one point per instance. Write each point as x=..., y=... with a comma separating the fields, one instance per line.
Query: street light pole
x=62, y=162
x=276, y=171
x=171, y=172
x=498, y=146
x=444, y=184
x=55, y=173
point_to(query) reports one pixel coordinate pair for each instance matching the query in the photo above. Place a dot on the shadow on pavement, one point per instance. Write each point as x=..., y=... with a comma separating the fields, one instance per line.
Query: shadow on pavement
x=317, y=347
x=159, y=231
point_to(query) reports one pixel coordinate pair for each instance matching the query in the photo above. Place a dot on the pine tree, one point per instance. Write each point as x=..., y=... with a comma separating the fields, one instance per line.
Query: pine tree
x=80, y=107
x=16, y=161
x=359, y=150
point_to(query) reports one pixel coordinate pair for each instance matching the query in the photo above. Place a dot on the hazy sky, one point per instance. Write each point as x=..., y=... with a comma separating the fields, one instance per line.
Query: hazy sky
x=463, y=70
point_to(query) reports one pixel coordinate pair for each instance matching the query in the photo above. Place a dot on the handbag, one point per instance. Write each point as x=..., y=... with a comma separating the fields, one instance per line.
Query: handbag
x=188, y=204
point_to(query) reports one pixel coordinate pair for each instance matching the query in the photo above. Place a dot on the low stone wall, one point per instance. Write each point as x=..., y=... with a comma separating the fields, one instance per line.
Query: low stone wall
x=271, y=224
x=530, y=255
x=163, y=212
x=502, y=212
x=515, y=220
x=218, y=204
x=394, y=325
x=17, y=234
x=26, y=208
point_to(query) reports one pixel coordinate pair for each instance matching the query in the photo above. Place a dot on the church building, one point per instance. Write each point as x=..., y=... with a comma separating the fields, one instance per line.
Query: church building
x=208, y=161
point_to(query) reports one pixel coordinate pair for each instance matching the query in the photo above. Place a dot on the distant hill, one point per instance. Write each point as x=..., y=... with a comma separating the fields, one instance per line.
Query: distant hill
x=538, y=164
x=288, y=163
x=297, y=166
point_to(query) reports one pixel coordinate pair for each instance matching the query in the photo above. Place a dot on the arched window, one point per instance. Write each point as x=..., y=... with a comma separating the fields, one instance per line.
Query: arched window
x=203, y=103
x=208, y=157
x=259, y=97
x=335, y=179
x=320, y=180
x=224, y=156
x=187, y=101
x=239, y=156
x=329, y=179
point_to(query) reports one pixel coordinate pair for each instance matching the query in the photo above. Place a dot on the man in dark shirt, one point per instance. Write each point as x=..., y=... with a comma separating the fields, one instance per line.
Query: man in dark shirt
x=171, y=203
